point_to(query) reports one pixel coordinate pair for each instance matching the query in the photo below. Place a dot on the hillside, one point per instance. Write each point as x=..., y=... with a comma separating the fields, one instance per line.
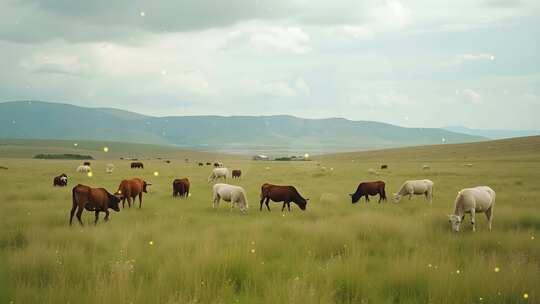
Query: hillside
x=42, y=120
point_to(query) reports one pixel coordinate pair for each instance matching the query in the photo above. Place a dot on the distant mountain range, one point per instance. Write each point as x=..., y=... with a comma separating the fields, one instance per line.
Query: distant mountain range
x=282, y=133
x=492, y=133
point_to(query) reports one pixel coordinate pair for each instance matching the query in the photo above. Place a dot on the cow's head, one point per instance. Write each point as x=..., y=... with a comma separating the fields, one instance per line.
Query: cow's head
x=302, y=202
x=145, y=184
x=455, y=221
x=354, y=198
x=113, y=202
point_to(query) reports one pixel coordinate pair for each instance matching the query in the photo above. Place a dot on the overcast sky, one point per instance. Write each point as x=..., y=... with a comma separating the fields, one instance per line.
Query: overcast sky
x=412, y=63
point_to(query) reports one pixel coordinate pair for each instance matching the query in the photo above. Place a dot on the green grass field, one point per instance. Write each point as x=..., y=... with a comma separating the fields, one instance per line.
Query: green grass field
x=183, y=251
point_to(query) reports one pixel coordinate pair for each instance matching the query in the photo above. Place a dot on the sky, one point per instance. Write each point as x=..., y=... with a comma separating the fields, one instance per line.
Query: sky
x=411, y=63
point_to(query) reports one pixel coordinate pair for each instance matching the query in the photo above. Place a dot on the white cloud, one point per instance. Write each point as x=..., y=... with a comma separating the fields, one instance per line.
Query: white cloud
x=284, y=89
x=392, y=13
x=463, y=58
x=55, y=64
x=262, y=37
x=355, y=31
x=472, y=96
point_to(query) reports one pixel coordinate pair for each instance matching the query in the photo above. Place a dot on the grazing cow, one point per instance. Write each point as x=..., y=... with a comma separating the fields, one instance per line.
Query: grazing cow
x=208, y=164
x=285, y=194
x=426, y=167
x=109, y=169
x=181, y=187
x=130, y=188
x=92, y=199
x=218, y=165
x=201, y=164
x=236, y=173
x=168, y=161
x=84, y=169
x=60, y=180
x=230, y=193
x=86, y=163
x=416, y=187
x=135, y=165
x=472, y=200
x=383, y=167
x=369, y=188
x=217, y=173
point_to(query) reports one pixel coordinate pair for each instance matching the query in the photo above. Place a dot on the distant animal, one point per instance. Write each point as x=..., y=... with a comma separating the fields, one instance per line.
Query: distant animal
x=236, y=173
x=129, y=189
x=217, y=173
x=383, y=167
x=110, y=168
x=186, y=160
x=230, y=193
x=208, y=164
x=472, y=200
x=426, y=167
x=84, y=169
x=366, y=189
x=218, y=165
x=86, y=163
x=60, y=180
x=3, y=168
x=167, y=161
x=372, y=171
x=135, y=165
x=92, y=199
x=285, y=194
x=468, y=165
x=181, y=187
x=201, y=164
x=415, y=187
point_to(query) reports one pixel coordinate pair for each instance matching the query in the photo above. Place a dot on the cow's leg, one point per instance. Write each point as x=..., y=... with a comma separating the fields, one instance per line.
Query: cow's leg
x=489, y=215
x=289, y=206
x=140, y=200
x=79, y=212
x=473, y=219
x=410, y=196
x=97, y=217
x=367, y=198
x=262, y=201
x=266, y=203
x=283, y=207
x=106, y=216
x=72, y=213
x=380, y=197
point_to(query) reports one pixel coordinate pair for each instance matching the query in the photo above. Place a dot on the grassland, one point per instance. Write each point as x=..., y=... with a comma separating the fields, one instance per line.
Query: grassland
x=183, y=251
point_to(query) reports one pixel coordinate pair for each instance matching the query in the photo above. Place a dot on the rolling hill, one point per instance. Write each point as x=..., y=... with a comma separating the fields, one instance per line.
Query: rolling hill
x=44, y=120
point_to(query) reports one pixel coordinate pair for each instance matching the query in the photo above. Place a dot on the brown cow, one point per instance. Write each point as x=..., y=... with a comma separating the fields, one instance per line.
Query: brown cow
x=236, y=173
x=86, y=163
x=60, y=180
x=135, y=165
x=92, y=199
x=130, y=188
x=201, y=164
x=181, y=187
x=285, y=194
x=369, y=188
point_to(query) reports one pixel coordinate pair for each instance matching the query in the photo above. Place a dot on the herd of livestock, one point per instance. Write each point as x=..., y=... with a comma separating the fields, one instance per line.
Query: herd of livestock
x=469, y=200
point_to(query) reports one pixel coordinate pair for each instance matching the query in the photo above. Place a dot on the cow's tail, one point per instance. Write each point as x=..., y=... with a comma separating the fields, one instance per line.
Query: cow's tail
x=73, y=197
x=383, y=194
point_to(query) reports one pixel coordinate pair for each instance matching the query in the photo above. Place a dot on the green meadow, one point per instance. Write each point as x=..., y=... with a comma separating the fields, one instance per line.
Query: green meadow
x=184, y=251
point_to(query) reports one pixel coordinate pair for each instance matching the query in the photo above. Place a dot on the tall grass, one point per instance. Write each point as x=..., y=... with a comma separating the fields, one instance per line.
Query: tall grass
x=183, y=251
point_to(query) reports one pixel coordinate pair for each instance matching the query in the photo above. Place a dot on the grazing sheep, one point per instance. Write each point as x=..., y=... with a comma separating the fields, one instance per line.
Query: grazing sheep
x=217, y=173
x=472, y=200
x=230, y=193
x=415, y=187
x=426, y=167
x=84, y=169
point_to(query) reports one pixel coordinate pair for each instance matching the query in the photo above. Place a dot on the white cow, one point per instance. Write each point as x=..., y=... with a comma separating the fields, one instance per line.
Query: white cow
x=472, y=200
x=217, y=173
x=230, y=193
x=110, y=168
x=416, y=187
x=83, y=169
